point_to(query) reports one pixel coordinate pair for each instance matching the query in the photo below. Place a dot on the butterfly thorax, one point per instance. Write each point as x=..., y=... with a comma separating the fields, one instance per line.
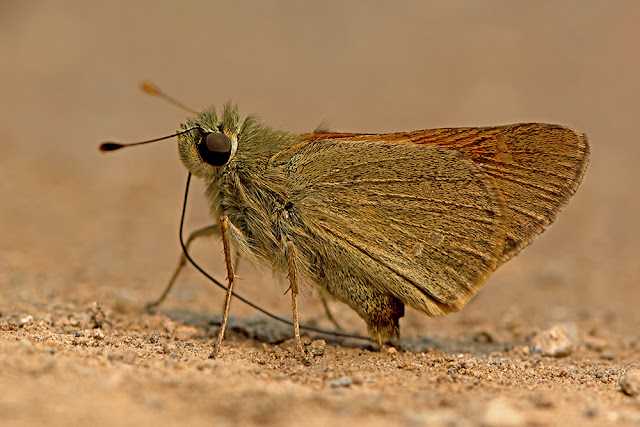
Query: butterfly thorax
x=255, y=202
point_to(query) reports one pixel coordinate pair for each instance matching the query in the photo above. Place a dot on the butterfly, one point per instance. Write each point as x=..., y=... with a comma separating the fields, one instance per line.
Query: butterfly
x=378, y=221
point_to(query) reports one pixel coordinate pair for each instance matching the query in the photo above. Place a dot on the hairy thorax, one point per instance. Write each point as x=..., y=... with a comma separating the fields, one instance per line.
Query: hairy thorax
x=258, y=215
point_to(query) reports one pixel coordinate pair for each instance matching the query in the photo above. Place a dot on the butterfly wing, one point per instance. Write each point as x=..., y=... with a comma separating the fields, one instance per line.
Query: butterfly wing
x=420, y=222
x=536, y=166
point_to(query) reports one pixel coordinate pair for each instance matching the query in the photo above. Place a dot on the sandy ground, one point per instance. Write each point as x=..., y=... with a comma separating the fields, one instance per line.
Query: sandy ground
x=87, y=239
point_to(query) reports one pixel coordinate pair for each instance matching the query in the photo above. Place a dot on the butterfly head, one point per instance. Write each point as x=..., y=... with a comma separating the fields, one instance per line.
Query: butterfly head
x=212, y=142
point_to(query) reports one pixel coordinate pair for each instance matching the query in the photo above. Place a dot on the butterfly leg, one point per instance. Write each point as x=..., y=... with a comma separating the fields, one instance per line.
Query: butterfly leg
x=290, y=250
x=209, y=230
x=231, y=277
x=328, y=313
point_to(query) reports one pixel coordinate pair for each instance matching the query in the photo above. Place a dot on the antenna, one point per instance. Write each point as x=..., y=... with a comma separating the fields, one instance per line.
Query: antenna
x=151, y=89
x=112, y=146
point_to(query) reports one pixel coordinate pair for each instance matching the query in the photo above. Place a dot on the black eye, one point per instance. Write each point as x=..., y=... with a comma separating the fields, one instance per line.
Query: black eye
x=215, y=148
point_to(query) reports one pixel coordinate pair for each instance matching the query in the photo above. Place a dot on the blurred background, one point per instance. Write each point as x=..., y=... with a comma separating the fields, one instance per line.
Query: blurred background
x=77, y=225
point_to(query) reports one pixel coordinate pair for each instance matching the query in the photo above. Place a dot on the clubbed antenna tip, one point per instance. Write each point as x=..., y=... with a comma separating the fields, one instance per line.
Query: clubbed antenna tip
x=154, y=90
x=110, y=146
x=149, y=88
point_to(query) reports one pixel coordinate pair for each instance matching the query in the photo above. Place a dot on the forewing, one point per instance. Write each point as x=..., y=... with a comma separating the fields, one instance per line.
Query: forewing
x=419, y=222
x=536, y=166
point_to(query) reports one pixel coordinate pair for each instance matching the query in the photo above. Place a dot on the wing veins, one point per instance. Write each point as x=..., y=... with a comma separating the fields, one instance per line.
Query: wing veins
x=365, y=163
x=390, y=268
x=497, y=166
x=424, y=199
x=368, y=181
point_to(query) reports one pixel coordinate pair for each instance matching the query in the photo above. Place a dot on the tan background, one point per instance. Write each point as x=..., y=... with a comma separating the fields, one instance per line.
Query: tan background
x=78, y=226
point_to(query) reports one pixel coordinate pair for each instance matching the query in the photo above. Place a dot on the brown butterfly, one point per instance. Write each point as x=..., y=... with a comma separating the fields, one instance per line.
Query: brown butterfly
x=380, y=221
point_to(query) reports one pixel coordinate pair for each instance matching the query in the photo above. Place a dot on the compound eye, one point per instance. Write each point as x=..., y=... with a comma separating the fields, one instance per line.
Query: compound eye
x=215, y=148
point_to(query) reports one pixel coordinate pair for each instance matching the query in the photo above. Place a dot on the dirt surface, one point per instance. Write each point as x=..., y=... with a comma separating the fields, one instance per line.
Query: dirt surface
x=86, y=239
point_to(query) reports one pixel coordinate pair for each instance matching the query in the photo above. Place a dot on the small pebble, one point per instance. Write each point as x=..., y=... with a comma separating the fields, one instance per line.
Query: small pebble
x=341, y=382
x=97, y=334
x=557, y=341
x=630, y=383
x=154, y=338
x=316, y=348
